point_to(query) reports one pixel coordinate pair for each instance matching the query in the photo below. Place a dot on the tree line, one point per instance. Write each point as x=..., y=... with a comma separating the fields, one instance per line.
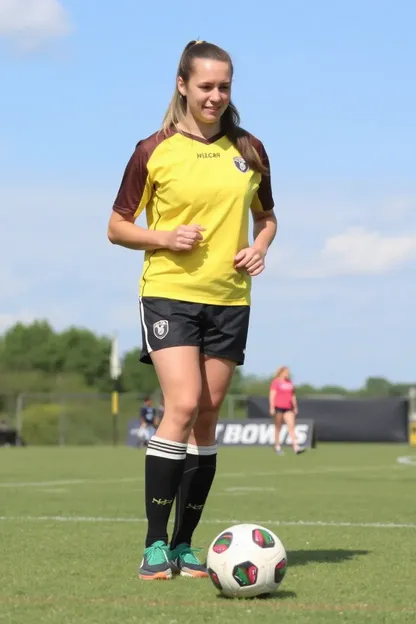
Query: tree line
x=36, y=358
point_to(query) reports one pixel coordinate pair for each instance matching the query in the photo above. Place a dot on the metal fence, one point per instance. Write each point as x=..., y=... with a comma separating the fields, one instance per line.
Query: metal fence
x=66, y=419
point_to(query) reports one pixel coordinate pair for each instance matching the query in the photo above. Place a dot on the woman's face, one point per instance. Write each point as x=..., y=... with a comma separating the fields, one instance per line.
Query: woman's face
x=208, y=90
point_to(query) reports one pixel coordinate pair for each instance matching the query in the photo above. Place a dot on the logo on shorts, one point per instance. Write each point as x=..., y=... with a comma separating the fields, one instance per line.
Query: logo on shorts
x=241, y=164
x=161, y=329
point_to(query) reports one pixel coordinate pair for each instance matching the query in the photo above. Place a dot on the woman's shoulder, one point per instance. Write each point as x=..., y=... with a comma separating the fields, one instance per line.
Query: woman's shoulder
x=148, y=144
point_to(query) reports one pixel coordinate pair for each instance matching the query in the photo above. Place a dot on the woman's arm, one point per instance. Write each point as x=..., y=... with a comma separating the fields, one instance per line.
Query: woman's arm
x=123, y=231
x=272, y=395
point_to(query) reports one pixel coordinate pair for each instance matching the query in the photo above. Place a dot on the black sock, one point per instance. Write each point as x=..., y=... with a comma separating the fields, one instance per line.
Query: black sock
x=165, y=462
x=193, y=491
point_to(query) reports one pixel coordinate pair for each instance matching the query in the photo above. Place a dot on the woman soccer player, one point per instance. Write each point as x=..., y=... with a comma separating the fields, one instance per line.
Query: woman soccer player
x=283, y=407
x=198, y=177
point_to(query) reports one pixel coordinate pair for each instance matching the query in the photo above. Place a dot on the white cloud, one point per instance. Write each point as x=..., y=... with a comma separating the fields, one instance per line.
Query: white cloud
x=358, y=251
x=355, y=251
x=29, y=24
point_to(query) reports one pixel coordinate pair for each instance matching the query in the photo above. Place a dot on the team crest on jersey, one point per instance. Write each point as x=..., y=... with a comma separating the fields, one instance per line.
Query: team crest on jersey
x=241, y=164
x=161, y=329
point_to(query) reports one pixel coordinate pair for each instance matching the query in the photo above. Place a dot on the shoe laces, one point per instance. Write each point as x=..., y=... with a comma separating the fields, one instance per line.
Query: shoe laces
x=157, y=553
x=188, y=555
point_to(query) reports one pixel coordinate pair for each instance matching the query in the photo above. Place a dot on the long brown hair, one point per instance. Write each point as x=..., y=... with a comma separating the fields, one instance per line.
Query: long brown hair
x=280, y=370
x=230, y=120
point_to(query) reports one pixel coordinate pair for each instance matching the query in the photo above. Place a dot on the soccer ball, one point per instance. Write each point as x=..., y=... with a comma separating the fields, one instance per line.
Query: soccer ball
x=246, y=560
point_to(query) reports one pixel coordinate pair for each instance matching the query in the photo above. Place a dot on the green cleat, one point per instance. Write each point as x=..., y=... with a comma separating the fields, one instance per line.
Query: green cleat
x=184, y=562
x=155, y=564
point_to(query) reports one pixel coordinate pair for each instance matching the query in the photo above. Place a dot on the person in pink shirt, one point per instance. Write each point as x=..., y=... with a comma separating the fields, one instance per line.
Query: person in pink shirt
x=284, y=407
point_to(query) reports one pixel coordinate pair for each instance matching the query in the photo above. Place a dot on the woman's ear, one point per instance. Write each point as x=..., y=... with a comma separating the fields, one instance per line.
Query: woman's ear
x=181, y=86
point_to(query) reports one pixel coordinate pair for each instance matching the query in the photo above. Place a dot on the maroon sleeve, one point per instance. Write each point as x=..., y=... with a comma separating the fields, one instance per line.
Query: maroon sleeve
x=136, y=188
x=263, y=199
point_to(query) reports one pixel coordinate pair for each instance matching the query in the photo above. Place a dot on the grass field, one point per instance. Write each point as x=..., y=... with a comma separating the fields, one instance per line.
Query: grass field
x=72, y=528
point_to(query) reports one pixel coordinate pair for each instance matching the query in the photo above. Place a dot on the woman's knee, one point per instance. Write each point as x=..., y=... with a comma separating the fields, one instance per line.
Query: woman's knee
x=182, y=409
x=178, y=418
x=205, y=426
x=179, y=376
x=278, y=420
x=210, y=405
x=290, y=420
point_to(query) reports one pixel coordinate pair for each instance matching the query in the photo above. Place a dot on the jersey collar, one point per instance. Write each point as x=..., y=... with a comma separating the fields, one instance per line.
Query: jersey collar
x=213, y=139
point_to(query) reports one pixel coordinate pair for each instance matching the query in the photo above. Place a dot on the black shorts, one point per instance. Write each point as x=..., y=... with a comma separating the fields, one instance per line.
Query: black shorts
x=218, y=330
x=283, y=410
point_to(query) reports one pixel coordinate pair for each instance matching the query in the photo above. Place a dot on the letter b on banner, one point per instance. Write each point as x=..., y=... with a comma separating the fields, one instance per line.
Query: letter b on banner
x=232, y=433
x=261, y=433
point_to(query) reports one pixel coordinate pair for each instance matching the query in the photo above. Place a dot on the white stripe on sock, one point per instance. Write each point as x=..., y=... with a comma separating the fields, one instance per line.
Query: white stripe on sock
x=181, y=445
x=201, y=450
x=166, y=448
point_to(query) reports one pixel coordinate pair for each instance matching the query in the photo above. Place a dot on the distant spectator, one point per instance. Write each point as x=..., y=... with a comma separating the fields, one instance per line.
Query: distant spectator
x=148, y=421
x=283, y=407
x=9, y=435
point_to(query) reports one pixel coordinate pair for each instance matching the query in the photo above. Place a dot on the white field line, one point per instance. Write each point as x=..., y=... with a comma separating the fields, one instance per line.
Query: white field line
x=303, y=472
x=243, y=490
x=42, y=484
x=226, y=522
x=407, y=460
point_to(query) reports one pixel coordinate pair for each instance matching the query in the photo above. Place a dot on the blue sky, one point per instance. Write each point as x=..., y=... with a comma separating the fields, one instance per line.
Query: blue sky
x=327, y=86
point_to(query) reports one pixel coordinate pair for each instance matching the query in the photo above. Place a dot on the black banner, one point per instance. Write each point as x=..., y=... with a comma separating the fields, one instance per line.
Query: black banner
x=260, y=432
x=348, y=420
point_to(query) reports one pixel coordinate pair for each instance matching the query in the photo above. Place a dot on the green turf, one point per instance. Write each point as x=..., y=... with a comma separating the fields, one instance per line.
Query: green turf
x=84, y=571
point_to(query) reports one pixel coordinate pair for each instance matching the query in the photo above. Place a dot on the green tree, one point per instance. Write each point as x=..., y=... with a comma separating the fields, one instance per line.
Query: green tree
x=36, y=359
x=237, y=383
x=333, y=390
x=86, y=354
x=400, y=389
x=30, y=347
x=305, y=390
x=377, y=387
x=255, y=386
x=138, y=377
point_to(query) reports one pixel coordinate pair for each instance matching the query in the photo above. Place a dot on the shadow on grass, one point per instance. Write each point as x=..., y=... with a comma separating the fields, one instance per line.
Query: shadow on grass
x=303, y=557
x=278, y=595
x=337, y=555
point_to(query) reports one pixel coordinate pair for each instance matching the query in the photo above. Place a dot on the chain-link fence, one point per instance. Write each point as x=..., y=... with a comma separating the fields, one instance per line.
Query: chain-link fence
x=84, y=419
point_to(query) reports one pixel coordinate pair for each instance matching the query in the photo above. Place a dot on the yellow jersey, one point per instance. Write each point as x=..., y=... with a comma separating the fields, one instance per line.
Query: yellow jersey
x=180, y=179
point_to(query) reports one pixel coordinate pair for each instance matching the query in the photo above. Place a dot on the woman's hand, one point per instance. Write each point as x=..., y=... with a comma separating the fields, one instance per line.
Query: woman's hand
x=184, y=238
x=250, y=259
